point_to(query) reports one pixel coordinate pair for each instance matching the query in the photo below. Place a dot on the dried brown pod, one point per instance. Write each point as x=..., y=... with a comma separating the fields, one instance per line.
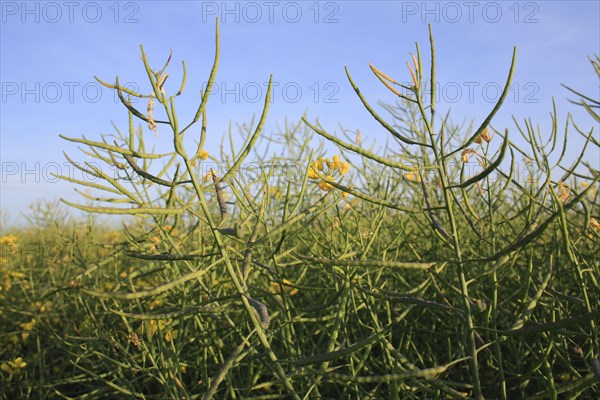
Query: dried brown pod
x=219, y=193
x=151, y=122
x=485, y=135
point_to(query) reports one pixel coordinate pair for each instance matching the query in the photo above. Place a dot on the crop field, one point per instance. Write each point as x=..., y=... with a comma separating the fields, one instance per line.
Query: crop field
x=445, y=262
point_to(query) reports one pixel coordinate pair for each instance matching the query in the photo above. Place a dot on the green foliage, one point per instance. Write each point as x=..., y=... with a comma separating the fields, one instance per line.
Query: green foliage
x=407, y=272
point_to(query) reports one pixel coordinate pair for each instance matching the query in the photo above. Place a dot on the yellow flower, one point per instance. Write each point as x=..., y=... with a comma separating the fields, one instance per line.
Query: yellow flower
x=15, y=274
x=163, y=326
x=275, y=287
x=344, y=167
x=595, y=224
x=320, y=164
x=154, y=304
x=9, y=239
x=326, y=186
x=43, y=307
x=8, y=244
x=564, y=377
x=335, y=163
x=563, y=191
x=19, y=363
x=27, y=327
x=275, y=193
x=312, y=174
x=203, y=154
x=344, y=195
x=170, y=335
x=413, y=176
x=13, y=367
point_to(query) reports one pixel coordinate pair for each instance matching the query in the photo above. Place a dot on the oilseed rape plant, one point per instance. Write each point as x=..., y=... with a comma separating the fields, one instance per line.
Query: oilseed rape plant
x=432, y=267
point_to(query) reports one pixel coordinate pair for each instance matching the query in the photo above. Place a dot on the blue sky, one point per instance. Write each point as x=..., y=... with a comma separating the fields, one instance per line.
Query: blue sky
x=50, y=52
